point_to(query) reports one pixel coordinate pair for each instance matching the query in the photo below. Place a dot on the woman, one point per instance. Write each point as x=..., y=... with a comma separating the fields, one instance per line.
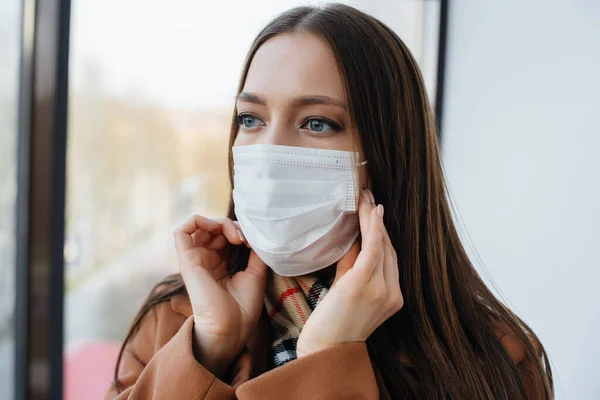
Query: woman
x=332, y=136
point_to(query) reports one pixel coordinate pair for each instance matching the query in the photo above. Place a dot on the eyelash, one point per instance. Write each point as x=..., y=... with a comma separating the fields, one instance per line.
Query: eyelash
x=240, y=118
x=334, y=127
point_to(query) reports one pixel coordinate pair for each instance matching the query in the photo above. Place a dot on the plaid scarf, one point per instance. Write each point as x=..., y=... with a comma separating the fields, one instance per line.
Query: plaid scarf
x=289, y=302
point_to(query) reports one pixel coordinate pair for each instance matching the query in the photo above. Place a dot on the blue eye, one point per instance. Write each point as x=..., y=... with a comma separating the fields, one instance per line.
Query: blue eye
x=316, y=125
x=321, y=125
x=248, y=120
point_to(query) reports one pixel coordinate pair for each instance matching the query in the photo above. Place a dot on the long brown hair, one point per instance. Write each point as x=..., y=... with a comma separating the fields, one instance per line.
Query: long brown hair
x=449, y=323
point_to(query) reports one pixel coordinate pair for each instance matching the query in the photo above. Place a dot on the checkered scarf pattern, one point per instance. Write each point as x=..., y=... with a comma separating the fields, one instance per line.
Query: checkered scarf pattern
x=289, y=302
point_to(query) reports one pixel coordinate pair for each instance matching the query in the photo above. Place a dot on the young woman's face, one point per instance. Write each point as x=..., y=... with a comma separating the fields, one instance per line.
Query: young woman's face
x=294, y=96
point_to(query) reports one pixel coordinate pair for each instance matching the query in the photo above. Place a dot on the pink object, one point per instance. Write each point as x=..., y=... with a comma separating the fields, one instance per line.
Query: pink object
x=89, y=368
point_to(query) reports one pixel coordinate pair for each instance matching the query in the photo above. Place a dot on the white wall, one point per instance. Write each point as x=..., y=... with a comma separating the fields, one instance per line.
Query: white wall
x=521, y=144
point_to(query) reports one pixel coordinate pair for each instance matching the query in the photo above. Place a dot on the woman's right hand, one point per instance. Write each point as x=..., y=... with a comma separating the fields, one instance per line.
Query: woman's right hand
x=226, y=307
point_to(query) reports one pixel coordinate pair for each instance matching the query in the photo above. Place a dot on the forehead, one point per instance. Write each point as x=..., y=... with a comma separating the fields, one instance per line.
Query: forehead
x=289, y=65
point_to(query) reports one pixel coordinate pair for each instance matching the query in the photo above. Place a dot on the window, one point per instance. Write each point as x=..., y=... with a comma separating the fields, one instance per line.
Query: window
x=9, y=78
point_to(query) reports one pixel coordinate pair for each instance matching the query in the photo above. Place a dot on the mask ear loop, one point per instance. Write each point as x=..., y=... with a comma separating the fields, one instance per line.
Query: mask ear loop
x=361, y=164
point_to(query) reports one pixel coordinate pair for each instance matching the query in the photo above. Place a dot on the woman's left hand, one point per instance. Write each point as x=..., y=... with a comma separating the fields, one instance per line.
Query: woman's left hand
x=365, y=292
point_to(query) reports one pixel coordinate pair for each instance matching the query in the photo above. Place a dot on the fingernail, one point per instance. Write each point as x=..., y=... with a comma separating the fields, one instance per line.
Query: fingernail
x=371, y=196
x=380, y=210
x=241, y=235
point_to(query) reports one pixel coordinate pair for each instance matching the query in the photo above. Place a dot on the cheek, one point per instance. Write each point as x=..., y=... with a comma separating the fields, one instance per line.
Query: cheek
x=244, y=139
x=338, y=141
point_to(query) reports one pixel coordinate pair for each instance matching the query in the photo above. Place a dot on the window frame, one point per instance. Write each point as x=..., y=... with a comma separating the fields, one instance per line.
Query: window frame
x=40, y=206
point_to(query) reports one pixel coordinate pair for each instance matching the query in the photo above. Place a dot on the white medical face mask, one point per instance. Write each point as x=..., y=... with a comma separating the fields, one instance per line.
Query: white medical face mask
x=297, y=207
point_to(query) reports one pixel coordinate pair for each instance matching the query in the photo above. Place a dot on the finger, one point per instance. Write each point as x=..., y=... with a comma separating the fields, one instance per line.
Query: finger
x=392, y=281
x=364, y=211
x=218, y=243
x=183, y=234
x=257, y=266
x=346, y=262
x=391, y=271
x=231, y=231
x=371, y=255
x=387, y=265
x=202, y=286
x=201, y=238
x=205, y=259
x=379, y=273
x=237, y=224
x=198, y=222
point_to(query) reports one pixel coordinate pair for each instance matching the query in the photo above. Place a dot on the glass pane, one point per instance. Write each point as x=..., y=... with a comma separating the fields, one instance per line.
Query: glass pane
x=151, y=96
x=10, y=11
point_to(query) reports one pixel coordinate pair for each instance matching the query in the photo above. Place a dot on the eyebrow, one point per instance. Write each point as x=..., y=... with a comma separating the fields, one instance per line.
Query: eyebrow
x=298, y=102
x=250, y=98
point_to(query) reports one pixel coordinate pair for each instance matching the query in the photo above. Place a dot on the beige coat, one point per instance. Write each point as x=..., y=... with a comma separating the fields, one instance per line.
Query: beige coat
x=158, y=363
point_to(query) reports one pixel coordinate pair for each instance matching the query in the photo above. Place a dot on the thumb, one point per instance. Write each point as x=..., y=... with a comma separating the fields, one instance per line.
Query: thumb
x=346, y=262
x=257, y=267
